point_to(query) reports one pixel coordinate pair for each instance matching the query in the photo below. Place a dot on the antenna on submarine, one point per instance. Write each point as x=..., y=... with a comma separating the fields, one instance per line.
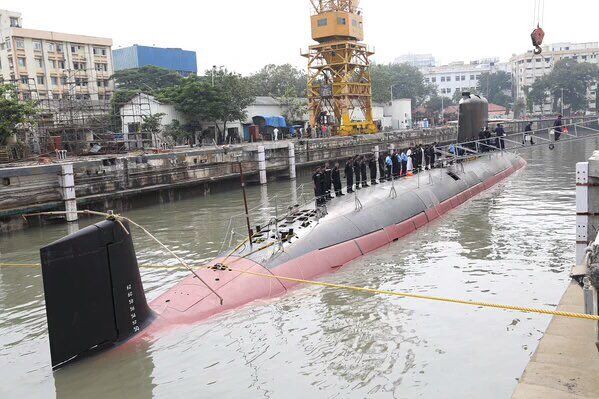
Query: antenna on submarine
x=245, y=203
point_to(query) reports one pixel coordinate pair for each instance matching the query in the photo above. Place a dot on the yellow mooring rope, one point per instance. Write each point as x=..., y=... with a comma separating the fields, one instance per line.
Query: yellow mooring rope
x=339, y=286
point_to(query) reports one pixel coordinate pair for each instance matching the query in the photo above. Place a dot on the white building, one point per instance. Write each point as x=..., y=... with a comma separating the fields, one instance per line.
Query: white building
x=459, y=76
x=527, y=67
x=416, y=60
x=50, y=65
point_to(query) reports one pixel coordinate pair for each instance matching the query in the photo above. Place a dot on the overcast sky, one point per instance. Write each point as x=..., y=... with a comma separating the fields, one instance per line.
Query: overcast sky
x=245, y=35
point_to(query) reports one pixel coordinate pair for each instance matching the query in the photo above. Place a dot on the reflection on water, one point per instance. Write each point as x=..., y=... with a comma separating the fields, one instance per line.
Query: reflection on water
x=513, y=244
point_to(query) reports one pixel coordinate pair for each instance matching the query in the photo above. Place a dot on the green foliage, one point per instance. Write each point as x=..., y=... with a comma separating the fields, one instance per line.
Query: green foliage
x=496, y=88
x=151, y=123
x=457, y=96
x=176, y=131
x=200, y=101
x=575, y=78
x=13, y=113
x=294, y=107
x=148, y=79
x=537, y=93
x=519, y=108
x=407, y=82
x=279, y=81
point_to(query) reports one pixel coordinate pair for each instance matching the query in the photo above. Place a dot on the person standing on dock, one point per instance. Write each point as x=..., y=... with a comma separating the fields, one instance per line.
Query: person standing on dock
x=336, y=175
x=410, y=163
x=349, y=176
x=275, y=134
x=373, y=169
x=557, y=127
x=528, y=132
x=395, y=164
x=363, y=171
x=389, y=165
x=328, y=181
x=500, y=132
x=404, y=163
x=357, y=172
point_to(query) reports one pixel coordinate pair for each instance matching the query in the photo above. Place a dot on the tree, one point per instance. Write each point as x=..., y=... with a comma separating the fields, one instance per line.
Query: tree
x=278, y=81
x=295, y=108
x=496, y=87
x=407, y=82
x=537, y=93
x=152, y=123
x=435, y=105
x=13, y=113
x=575, y=79
x=519, y=108
x=200, y=101
x=147, y=79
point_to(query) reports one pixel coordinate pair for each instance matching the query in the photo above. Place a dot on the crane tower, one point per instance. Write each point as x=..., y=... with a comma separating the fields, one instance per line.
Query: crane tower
x=339, y=86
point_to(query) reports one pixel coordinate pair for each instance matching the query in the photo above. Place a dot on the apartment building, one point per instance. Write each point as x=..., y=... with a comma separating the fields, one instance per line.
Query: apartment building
x=461, y=76
x=52, y=65
x=528, y=67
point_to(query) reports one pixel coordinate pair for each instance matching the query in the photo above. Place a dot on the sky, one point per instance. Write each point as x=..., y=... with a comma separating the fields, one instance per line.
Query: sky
x=245, y=35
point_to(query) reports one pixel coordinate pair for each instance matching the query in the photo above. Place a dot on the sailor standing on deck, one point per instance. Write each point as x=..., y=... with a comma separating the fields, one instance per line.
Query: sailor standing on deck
x=363, y=170
x=357, y=172
x=389, y=165
x=557, y=127
x=349, y=175
x=381, y=167
x=528, y=134
x=404, y=163
x=317, y=178
x=373, y=169
x=410, y=163
x=328, y=181
x=395, y=164
x=500, y=132
x=336, y=175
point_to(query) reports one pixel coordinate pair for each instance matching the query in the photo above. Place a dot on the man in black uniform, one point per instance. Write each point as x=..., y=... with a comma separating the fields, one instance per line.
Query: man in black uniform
x=328, y=181
x=373, y=168
x=357, y=172
x=363, y=170
x=336, y=175
x=557, y=127
x=381, y=167
x=349, y=175
x=396, y=168
x=317, y=178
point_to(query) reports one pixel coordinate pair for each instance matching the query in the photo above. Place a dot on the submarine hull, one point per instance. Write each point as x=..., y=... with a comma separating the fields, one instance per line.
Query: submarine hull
x=341, y=236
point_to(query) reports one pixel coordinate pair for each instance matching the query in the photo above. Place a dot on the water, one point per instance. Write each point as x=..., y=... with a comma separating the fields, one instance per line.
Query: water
x=514, y=244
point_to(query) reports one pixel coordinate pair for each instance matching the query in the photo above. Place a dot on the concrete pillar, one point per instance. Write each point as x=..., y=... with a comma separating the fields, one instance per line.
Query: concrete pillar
x=377, y=152
x=262, y=164
x=66, y=180
x=292, y=174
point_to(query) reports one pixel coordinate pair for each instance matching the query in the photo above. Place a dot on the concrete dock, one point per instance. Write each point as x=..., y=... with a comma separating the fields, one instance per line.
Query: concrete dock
x=566, y=362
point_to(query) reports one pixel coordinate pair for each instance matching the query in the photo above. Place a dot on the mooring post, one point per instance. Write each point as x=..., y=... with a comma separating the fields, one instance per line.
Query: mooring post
x=582, y=211
x=292, y=174
x=66, y=180
x=262, y=164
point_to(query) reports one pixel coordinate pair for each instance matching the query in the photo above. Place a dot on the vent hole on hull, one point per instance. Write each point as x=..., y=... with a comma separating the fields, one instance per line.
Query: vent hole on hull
x=453, y=176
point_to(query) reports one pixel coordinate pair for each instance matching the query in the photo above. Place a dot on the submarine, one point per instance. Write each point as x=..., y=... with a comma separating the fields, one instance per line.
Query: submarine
x=94, y=295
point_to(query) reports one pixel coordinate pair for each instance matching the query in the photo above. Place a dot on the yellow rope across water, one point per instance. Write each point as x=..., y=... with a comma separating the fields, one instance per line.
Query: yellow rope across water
x=523, y=309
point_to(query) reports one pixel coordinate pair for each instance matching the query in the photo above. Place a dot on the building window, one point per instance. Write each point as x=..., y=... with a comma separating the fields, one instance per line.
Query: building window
x=457, y=78
x=20, y=43
x=37, y=45
x=53, y=64
x=39, y=62
x=448, y=78
x=99, y=51
x=442, y=78
x=24, y=79
x=101, y=67
x=463, y=77
x=59, y=48
x=341, y=21
x=8, y=42
x=434, y=80
x=63, y=80
x=40, y=80
x=323, y=22
x=10, y=64
x=14, y=22
x=54, y=80
x=79, y=65
x=51, y=47
x=472, y=77
x=81, y=82
x=61, y=64
x=75, y=49
x=21, y=62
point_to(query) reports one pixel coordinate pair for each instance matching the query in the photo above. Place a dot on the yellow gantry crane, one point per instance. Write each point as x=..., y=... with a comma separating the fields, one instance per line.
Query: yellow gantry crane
x=339, y=85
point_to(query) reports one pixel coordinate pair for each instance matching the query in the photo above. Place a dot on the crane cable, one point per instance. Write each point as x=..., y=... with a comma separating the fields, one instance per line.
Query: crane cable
x=223, y=267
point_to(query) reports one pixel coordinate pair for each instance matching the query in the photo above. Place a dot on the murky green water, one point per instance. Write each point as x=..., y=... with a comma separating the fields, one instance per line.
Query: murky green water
x=514, y=244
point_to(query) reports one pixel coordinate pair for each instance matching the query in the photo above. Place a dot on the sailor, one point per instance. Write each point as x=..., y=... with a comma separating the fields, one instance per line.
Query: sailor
x=500, y=132
x=410, y=162
x=428, y=156
x=336, y=176
x=363, y=170
x=316, y=178
x=381, y=167
x=395, y=164
x=488, y=138
x=357, y=172
x=481, y=141
x=528, y=134
x=324, y=187
x=557, y=127
x=349, y=175
x=328, y=181
x=389, y=165
x=404, y=163
x=373, y=169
